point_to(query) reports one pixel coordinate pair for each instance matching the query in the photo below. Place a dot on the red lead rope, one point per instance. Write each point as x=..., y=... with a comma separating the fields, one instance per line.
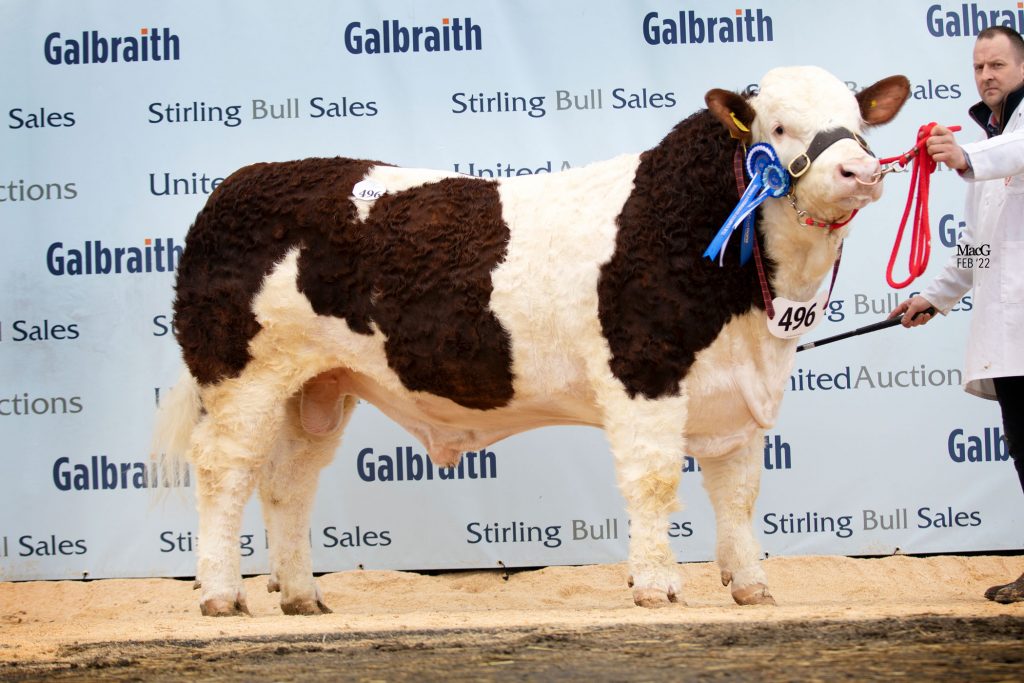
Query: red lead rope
x=920, y=181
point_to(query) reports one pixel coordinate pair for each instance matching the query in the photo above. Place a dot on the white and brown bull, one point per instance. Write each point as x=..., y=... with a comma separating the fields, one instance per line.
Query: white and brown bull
x=470, y=309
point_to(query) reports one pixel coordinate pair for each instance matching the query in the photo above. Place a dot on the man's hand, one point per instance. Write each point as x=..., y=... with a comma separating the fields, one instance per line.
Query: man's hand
x=910, y=308
x=942, y=146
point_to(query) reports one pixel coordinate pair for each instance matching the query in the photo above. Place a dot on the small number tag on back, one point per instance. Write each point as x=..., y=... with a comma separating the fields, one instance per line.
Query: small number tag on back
x=794, y=318
x=368, y=190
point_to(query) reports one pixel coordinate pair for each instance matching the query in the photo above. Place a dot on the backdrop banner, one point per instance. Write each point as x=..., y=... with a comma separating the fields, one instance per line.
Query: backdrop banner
x=120, y=118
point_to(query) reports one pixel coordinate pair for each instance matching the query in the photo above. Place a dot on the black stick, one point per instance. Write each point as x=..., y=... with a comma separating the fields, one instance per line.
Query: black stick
x=873, y=327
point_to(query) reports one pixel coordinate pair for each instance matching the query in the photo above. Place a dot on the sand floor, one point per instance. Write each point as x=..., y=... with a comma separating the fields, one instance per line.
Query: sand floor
x=40, y=619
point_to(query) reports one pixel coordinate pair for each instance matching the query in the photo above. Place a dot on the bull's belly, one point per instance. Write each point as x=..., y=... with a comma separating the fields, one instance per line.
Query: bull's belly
x=549, y=388
x=447, y=429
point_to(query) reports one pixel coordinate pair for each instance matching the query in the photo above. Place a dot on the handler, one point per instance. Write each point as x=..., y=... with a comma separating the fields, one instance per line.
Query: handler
x=993, y=239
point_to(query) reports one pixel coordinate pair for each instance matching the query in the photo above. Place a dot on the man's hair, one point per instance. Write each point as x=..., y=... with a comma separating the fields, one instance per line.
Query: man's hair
x=1015, y=39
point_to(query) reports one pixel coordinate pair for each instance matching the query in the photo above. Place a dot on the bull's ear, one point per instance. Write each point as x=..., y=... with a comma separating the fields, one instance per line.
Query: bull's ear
x=733, y=111
x=880, y=102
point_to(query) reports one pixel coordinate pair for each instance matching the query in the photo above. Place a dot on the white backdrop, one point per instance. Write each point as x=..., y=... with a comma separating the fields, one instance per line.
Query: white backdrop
x=877, y=449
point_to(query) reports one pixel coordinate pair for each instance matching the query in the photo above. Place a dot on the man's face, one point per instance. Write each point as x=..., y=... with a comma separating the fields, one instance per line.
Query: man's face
x=998, y=70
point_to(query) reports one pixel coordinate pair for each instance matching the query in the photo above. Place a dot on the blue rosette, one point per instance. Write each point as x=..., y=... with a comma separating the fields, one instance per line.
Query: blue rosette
x=768, y=178
x=763, y=161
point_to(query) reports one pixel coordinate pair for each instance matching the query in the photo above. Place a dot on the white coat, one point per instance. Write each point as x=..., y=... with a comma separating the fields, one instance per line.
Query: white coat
x=994, y=220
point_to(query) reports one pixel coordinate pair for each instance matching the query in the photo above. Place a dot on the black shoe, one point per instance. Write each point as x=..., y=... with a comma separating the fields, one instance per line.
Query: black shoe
x=1008, y=592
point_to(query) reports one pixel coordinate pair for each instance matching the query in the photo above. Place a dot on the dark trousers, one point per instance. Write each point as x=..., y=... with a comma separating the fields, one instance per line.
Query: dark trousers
x=1010, y=392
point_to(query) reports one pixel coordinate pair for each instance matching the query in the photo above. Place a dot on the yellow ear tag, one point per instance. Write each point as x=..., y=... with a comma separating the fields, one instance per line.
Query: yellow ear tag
x=874, y=103
x=739, y=125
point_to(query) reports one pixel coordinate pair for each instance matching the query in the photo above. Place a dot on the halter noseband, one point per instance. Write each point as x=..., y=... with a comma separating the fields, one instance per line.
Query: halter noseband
x=822, y=141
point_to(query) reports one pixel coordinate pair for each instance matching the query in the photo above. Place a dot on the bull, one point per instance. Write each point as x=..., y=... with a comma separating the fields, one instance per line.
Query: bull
x=470, y=309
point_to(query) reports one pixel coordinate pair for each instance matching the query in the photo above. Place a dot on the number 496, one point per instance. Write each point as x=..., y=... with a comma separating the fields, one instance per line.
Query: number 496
x=796, y=317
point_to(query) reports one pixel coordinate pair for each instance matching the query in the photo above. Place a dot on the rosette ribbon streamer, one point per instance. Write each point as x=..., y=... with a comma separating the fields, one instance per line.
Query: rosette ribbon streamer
x=767, y=179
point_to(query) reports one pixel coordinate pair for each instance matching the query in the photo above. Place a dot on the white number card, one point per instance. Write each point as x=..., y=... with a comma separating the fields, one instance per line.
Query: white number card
x=794, y=318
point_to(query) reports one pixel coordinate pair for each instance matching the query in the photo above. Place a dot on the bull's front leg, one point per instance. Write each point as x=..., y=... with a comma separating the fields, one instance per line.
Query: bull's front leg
x=732, y=482
x=647, y=440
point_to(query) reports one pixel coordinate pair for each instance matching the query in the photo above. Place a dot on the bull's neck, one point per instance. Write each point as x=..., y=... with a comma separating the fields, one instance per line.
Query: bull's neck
x=804, y=255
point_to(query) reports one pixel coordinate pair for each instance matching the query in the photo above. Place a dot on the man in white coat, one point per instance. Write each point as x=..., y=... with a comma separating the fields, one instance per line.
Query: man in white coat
x=994, y=237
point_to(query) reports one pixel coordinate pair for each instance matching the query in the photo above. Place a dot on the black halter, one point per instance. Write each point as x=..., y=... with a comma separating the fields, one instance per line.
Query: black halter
x=821, y=142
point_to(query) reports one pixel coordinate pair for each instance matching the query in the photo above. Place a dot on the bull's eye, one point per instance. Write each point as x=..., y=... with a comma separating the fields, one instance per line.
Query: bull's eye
x=779, y=130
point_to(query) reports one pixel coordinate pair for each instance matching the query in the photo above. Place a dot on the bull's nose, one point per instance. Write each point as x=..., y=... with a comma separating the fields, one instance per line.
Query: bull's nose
x=861, y=171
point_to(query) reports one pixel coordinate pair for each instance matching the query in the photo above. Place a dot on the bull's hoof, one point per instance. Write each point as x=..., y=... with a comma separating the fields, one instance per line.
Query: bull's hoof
x=1008, y=592
x=652, y=597
x=754, y=594
x=305, y=608
x=215, y=607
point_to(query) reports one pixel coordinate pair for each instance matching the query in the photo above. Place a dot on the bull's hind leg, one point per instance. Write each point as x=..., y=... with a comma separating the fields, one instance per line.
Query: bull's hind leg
x=231, y=441
x=732, y=482
x=647, y=440
x=315, y=419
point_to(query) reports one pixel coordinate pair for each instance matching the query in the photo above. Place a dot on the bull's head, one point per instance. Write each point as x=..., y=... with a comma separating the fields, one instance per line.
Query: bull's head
x=815, y=123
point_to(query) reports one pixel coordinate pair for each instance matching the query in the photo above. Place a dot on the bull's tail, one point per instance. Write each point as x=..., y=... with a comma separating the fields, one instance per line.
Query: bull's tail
x=176, y=419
